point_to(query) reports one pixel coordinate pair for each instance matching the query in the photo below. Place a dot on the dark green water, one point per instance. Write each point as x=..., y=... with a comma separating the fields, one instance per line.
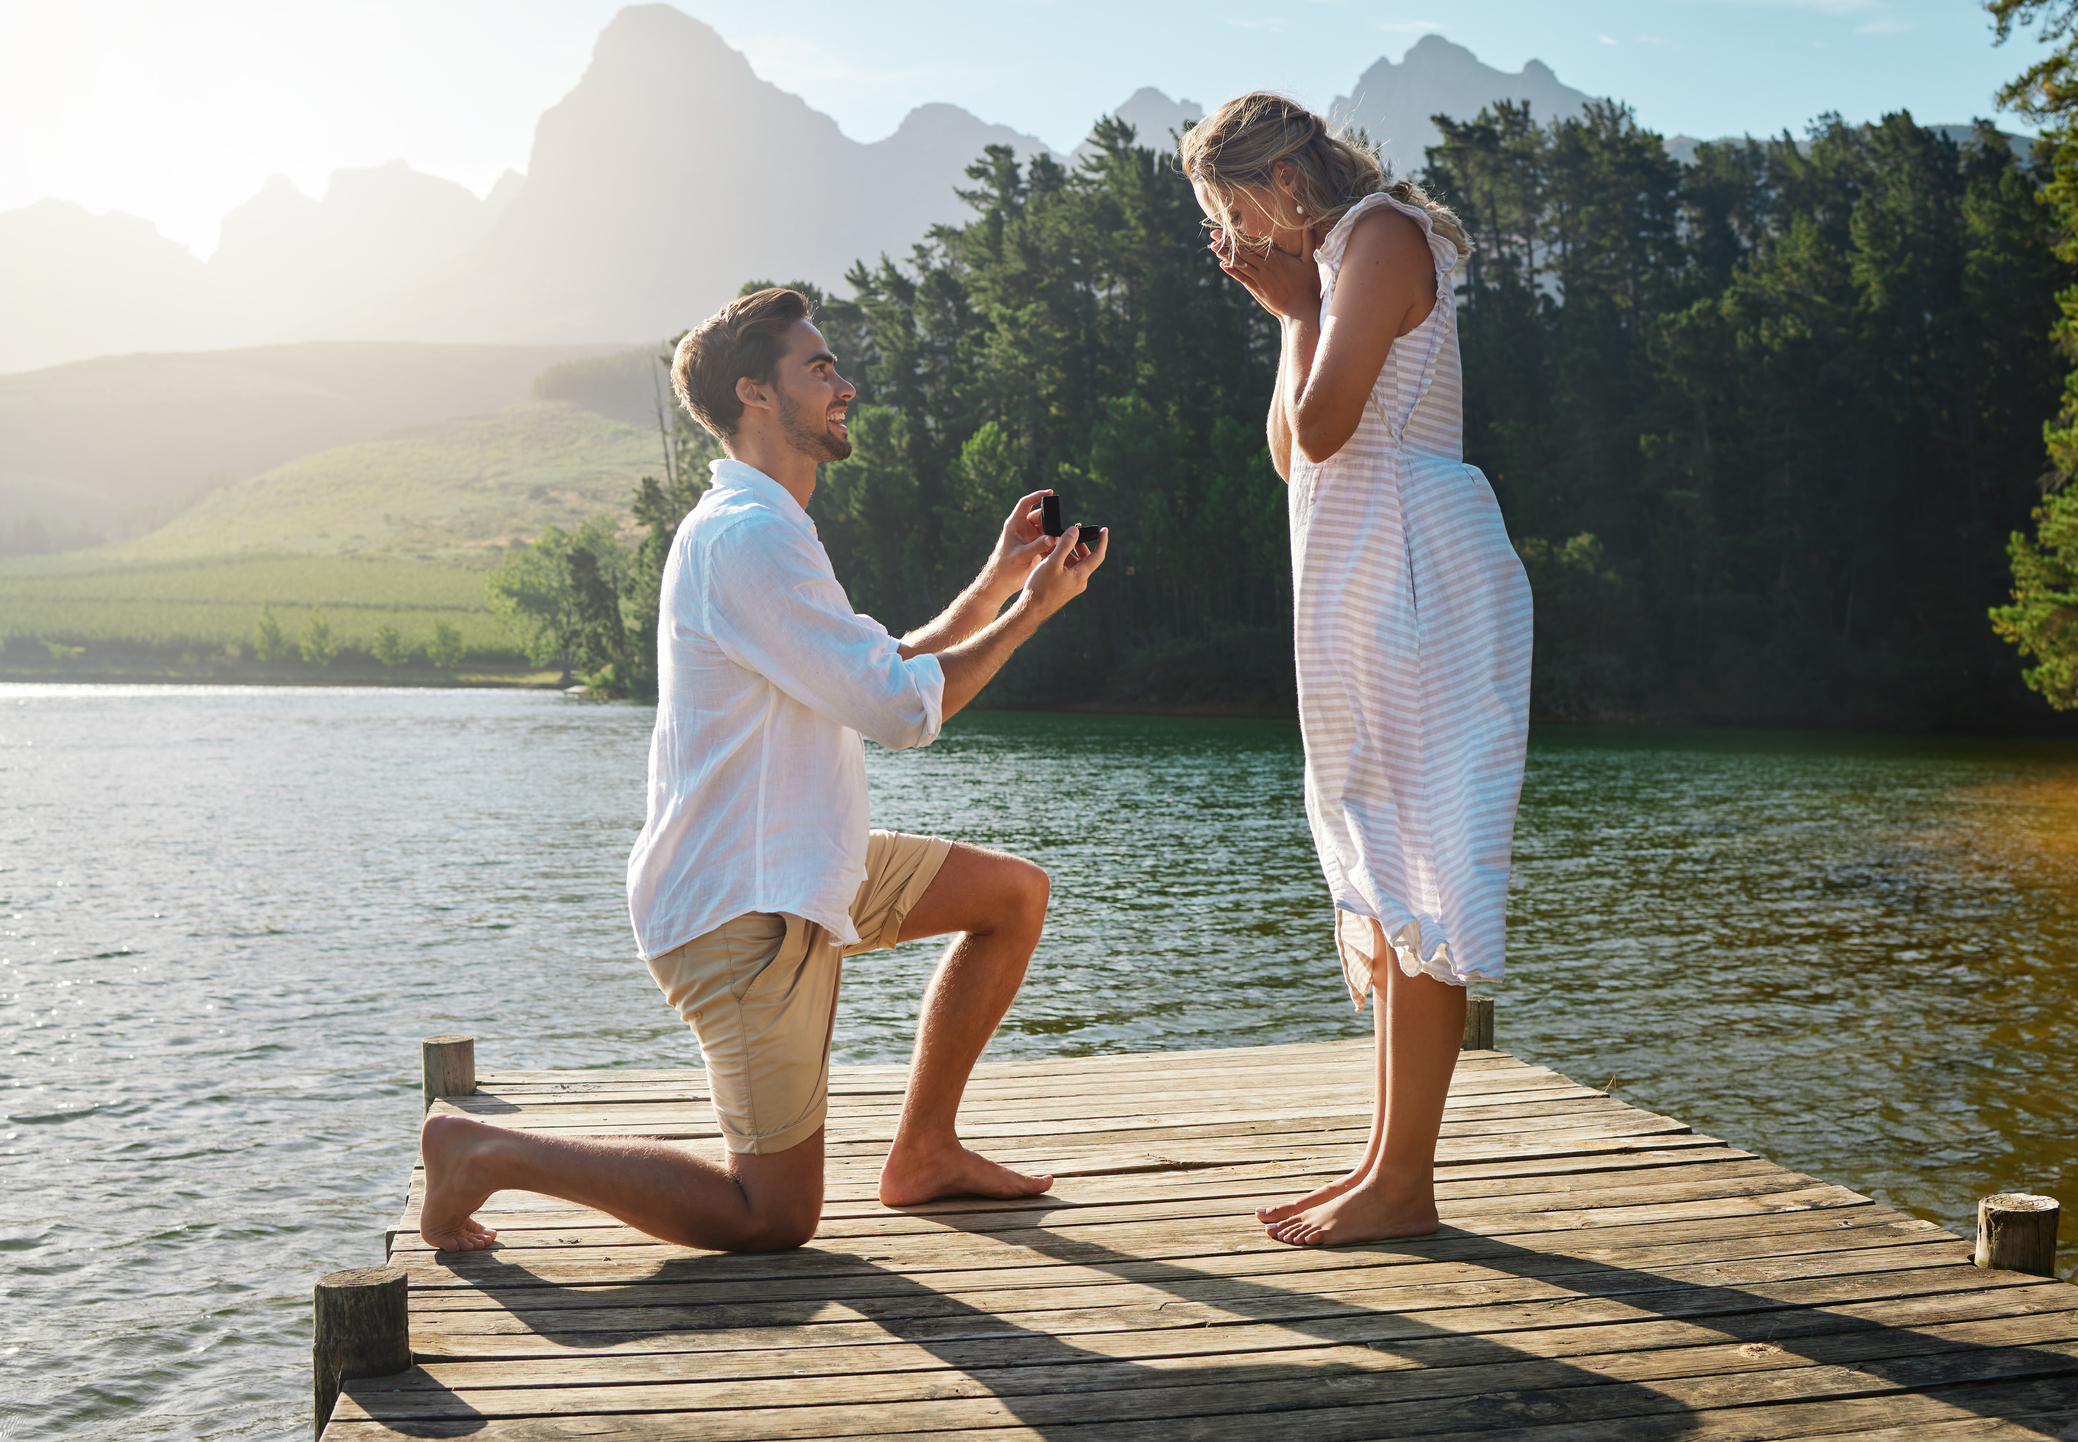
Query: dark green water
x=227, y=916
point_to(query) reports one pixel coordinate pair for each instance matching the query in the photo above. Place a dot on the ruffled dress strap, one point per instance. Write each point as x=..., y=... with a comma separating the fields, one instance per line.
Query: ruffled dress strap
x=1336, y=243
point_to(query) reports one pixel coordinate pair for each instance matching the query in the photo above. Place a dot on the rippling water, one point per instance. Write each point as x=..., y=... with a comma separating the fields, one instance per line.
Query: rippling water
x=227, y=916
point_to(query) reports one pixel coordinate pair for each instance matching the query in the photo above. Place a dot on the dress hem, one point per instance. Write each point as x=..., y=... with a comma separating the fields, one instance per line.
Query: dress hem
x=1360, y=961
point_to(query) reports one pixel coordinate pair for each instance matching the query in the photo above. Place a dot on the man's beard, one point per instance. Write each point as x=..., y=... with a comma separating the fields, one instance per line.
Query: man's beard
x=812, y=436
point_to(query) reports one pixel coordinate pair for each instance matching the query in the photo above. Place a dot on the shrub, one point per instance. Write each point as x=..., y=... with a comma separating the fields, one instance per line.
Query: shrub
x=390, y=647
x=446, y=649
x=269, y=644
x=318, y=644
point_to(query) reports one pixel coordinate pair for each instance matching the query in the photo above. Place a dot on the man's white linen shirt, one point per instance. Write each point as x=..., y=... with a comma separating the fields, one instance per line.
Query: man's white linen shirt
x=766, y=679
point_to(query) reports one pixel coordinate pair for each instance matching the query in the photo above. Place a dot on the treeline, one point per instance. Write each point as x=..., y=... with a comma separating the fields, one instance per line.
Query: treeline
x=1760, y=424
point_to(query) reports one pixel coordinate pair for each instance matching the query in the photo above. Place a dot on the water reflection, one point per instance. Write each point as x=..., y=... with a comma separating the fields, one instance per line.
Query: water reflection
x=226, y=917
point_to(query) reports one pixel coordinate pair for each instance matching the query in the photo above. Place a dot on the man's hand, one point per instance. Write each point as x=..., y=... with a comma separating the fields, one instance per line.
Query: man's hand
x=1025, y=559
x=1056, y=580
x=1064, y=574
x=1021, y=546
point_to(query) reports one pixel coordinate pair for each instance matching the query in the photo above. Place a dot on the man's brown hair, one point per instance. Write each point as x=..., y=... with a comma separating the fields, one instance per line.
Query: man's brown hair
x=745, y=338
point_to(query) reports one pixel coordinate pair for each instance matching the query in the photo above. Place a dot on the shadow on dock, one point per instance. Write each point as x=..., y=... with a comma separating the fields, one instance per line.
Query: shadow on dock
x=1354, y=1371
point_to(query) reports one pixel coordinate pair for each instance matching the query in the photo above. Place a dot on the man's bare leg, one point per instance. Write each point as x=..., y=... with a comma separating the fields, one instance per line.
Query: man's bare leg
x=1424, y=1029
x=753, y=1204
x=998, y=905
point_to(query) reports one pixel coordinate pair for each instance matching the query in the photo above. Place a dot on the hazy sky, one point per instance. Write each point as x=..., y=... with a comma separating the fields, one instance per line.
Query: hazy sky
x=179, y=111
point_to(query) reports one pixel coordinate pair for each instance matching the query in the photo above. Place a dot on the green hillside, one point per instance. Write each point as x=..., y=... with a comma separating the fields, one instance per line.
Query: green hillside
x=459, y=492
x=400, y=530
x=121, y=443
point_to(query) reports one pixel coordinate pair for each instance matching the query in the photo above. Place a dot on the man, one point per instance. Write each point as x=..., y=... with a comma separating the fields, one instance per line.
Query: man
x=756, y=872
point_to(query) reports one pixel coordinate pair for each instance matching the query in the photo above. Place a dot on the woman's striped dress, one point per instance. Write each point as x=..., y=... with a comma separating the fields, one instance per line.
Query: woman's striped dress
x=1413, y=629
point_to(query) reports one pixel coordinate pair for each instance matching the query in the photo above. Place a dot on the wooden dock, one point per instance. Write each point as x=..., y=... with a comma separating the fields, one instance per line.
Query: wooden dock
x=1603, y=1273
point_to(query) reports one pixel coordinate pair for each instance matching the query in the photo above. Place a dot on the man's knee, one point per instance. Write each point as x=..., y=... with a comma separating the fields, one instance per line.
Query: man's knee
x=1029, y=891
x=783, y=1223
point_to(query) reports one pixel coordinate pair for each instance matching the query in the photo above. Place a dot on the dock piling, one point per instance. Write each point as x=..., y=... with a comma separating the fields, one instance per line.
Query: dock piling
x=1479, y=1024
x=450, y=1067
x=2016, y=1232
x=360, y=1327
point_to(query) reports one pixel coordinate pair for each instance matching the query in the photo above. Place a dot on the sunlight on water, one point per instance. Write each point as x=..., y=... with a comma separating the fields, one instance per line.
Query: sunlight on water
x=227, y=916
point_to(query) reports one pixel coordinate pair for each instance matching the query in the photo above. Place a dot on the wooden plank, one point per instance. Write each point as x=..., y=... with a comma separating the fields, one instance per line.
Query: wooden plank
x=1042, y=1092
x=1104, y=1241
x=1311, y=1269
x=1435, y=1347
x=854, y=1193
x=1219, y=1194
x=1452, y=1366
x=1531, y=1305
x=1560, y=1386
x=1729, y=1239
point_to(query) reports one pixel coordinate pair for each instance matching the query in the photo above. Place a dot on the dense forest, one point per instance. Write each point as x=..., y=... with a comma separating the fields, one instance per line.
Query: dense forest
x=1761, y=425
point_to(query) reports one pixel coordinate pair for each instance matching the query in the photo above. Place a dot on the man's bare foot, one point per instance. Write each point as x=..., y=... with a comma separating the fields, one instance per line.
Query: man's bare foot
x=1361, y=1214
x=911, y=1177
x=1269, y=1216
x=445, y=1219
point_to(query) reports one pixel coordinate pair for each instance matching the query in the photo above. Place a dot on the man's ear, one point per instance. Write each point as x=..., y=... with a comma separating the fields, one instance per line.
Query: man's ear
x=749, y=391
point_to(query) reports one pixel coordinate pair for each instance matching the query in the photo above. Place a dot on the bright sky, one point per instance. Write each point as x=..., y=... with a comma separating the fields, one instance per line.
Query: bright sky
x=179, y=111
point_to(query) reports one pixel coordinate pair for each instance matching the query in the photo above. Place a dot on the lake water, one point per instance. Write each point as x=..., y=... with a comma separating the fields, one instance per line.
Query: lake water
x=228, y=915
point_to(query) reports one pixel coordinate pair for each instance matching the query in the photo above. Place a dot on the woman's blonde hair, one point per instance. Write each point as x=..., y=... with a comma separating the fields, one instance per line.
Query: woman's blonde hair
x=1240, y=143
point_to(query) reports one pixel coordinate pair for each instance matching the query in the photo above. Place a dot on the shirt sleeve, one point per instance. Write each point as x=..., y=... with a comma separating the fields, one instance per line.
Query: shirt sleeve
x=774, y=607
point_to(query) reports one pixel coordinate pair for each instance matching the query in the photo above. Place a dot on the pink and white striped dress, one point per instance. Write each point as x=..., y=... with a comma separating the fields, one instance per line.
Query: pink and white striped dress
x=1413, y=630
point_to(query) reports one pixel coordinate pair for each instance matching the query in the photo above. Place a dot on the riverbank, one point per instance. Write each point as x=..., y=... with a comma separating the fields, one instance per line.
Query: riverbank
x=115, y=664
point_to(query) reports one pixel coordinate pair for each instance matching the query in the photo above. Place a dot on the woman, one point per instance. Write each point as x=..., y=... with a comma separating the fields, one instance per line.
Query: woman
x=1412, y=613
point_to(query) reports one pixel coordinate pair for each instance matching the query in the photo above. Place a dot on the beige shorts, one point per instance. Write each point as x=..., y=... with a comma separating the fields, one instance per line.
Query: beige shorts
x=761, y=994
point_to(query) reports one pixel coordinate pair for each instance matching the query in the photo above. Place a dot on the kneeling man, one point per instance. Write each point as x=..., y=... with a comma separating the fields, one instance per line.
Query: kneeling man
x=756, y=874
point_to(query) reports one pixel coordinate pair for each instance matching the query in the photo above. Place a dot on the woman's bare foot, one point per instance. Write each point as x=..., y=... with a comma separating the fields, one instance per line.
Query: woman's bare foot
x=1362, y=1214
x=911, y=1177
x=445, y=1219
x=1269, y=1216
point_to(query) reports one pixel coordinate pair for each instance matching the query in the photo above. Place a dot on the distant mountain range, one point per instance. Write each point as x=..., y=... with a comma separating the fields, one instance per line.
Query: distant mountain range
x=667, y=176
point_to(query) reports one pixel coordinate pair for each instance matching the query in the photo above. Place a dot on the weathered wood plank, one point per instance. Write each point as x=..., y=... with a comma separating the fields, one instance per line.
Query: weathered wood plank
x=1222, y=1197
x=1455, y=1366
x=1433, y=1345
x=1278, y=1177
x=1563, y=1389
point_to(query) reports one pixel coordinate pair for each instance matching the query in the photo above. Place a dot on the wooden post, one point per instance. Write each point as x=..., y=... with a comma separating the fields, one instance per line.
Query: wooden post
x=1479, y=1024
x=450, y=1067
x=2016, y=1232
x=360, y=1327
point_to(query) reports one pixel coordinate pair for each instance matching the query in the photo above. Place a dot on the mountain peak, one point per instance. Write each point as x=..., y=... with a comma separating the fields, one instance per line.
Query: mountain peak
x=1392, y=103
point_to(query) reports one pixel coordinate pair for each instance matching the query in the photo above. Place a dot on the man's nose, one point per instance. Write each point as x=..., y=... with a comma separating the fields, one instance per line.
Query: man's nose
x=845, y=389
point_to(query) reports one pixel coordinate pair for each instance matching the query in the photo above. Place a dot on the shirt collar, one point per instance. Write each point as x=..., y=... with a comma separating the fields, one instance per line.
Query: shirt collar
x=732, y=475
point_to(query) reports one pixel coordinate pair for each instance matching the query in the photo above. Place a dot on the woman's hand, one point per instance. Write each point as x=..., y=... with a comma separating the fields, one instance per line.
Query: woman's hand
x=1283, y=283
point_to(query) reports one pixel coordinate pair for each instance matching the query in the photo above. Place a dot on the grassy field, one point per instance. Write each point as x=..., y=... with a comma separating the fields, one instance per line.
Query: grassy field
x=400, y=530
x=460, y=492
x=112, y=441
x=214, y=602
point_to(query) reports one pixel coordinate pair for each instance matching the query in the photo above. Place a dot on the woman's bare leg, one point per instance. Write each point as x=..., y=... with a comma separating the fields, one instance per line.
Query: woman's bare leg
x=1424, y=1027
x=1356, y=1174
